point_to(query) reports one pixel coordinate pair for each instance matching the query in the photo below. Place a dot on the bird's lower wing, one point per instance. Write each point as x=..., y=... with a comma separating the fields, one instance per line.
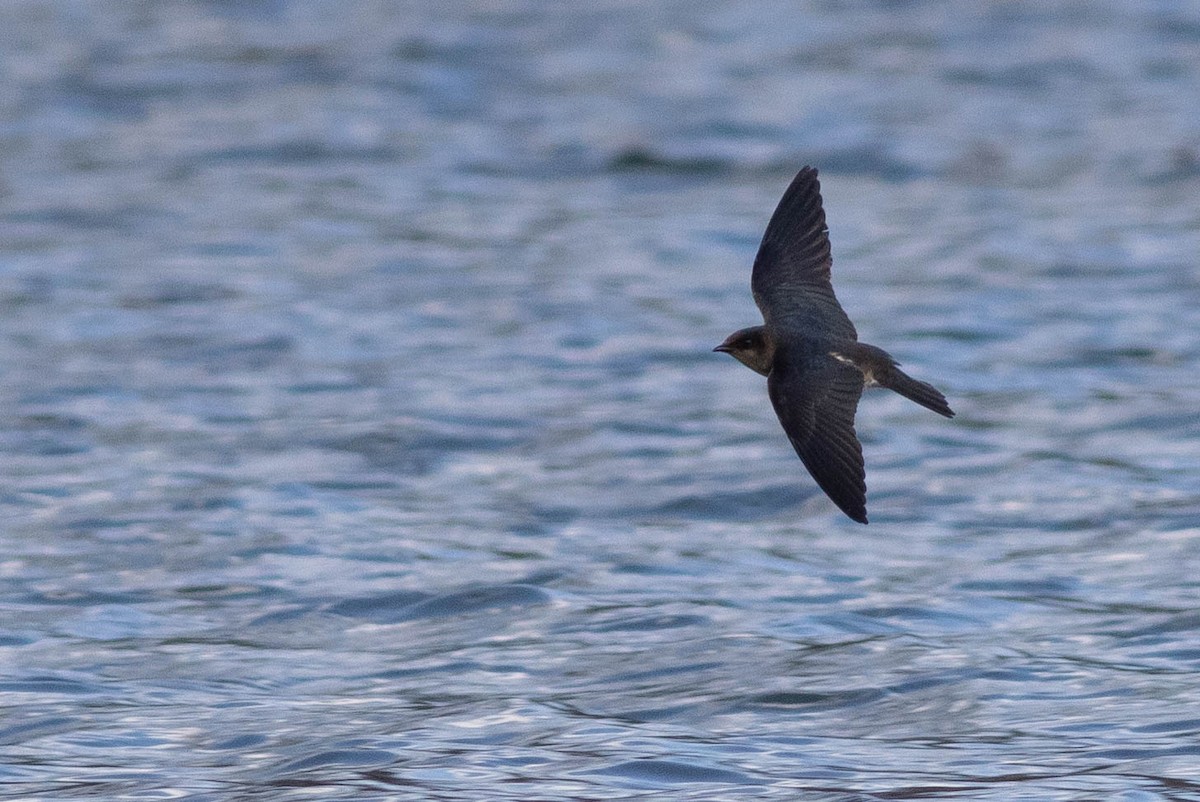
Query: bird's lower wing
x=816, y=402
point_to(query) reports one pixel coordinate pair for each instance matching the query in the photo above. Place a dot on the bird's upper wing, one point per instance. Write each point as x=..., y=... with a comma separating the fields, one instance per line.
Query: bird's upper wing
x=815, y=398
x=791, y=272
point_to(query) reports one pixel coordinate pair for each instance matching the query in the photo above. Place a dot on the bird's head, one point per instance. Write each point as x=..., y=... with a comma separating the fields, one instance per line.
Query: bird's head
x=751, y=347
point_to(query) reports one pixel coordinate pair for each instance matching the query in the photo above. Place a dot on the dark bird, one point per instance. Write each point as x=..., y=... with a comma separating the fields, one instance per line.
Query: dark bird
x=809, y=351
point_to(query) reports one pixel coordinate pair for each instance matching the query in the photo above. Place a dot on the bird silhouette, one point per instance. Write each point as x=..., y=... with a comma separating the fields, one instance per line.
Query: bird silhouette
x=809, y=350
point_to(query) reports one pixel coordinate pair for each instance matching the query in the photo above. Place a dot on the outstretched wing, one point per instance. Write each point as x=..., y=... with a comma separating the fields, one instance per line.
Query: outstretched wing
x=790, y=281
x=816, y=399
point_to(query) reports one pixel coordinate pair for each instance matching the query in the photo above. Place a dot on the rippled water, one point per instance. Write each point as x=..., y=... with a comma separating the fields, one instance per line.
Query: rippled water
x=362, y=436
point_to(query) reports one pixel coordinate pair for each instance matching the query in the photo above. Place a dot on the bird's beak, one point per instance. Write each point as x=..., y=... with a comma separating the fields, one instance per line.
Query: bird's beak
x=722, y=348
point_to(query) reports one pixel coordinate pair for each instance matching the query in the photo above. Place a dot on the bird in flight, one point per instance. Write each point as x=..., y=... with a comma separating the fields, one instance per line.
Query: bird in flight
x=809, y=350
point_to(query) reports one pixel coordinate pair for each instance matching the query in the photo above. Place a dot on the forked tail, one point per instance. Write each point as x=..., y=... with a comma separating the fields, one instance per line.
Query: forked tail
x=878, y=367
x=924, y=394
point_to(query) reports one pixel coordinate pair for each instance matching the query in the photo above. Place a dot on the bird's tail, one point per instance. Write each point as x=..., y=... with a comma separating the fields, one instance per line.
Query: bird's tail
x=924, y=394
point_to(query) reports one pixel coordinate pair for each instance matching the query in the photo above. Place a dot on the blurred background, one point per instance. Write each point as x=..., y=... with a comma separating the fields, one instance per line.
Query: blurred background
x=362, y=435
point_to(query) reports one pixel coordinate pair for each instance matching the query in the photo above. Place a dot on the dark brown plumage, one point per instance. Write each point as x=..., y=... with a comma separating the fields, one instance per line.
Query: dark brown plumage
x=809, y=350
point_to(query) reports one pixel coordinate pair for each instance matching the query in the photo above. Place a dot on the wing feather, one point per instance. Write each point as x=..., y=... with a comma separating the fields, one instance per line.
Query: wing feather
x=816, y=400
x=791, y=277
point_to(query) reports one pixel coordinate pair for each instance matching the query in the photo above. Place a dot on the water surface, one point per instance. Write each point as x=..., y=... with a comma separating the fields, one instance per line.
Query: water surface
x=363, y=437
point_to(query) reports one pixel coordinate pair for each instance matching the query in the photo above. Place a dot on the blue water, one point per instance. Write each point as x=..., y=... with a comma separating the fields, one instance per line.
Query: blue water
x=362, y=436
